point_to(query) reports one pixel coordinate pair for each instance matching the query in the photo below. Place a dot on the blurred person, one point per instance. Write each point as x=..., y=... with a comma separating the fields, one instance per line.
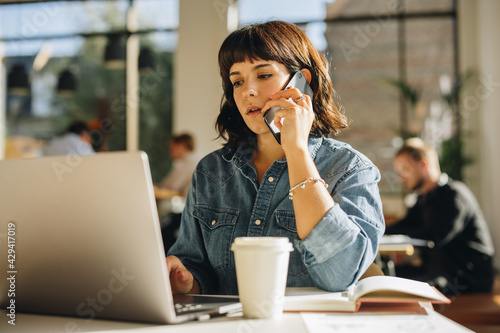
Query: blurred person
x=446, y=213
x=177, y=182
x=184, y=161
x=75, y=141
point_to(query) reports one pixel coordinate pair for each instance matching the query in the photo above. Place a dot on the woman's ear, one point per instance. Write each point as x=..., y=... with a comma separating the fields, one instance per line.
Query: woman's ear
x=307, y=74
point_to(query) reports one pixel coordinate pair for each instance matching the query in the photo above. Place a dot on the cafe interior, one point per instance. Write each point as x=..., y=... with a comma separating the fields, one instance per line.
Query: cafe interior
x=139, y=71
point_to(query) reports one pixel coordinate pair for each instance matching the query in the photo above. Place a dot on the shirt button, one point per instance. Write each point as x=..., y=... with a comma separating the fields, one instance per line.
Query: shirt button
x=258, y=222
x=270, y=179
x=213, y=222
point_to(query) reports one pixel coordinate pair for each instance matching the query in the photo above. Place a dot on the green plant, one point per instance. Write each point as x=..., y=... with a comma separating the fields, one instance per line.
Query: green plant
x=100, y=99
x=411, y=95
x=452, y=156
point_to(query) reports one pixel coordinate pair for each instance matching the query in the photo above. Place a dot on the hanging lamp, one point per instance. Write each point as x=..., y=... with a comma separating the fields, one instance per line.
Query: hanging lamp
x=146, y=61
x=115, y=53
x=17, y=81
x=66, y=85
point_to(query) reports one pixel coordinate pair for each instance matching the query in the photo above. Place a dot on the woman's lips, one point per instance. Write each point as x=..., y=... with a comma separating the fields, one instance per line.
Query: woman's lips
x=254, y=111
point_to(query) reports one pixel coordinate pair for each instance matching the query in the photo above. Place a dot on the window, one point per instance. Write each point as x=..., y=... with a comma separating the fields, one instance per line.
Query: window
x=48, y=38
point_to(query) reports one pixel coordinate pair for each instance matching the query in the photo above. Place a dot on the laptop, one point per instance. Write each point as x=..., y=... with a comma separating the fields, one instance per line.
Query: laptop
x=80, y=236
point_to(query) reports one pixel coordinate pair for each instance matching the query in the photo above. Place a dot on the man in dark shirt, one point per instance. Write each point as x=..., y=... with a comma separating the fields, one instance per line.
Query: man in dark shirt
x=446, y=213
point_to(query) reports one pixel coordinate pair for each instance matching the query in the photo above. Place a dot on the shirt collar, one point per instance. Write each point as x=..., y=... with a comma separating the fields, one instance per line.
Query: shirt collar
x=443, y=179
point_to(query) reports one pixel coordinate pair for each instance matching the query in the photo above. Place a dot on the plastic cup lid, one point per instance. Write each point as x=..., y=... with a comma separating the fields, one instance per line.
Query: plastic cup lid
x=264, y=243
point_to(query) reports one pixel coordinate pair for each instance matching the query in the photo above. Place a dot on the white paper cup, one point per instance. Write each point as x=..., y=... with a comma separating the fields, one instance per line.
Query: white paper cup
x=261, y=271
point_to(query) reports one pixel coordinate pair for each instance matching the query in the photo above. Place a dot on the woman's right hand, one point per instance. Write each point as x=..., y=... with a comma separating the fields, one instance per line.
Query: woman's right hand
x=181, y=280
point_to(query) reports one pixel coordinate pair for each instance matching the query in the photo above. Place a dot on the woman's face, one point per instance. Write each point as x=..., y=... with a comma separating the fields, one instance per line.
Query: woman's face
x=253, y=83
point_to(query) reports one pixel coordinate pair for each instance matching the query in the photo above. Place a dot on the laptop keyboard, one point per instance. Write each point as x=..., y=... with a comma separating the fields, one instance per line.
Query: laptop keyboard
x=181, y=308
x=187, y=304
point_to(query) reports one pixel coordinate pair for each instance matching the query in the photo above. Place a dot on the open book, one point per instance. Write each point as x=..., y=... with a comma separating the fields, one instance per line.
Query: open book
x=374, y=289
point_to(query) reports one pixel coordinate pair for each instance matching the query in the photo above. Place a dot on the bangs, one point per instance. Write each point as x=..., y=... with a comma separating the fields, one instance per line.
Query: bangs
x=247, y=44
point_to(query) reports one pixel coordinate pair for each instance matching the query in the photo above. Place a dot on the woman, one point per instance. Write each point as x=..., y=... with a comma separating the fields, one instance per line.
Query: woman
x=316, y=191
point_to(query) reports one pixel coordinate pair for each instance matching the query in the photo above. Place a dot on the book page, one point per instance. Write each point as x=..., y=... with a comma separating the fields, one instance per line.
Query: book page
x=314, y=299
x=396, y=289
x=310, y=291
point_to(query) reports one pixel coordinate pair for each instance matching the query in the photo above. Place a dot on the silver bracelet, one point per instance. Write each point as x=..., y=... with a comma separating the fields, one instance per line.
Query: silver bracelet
x=303, y=184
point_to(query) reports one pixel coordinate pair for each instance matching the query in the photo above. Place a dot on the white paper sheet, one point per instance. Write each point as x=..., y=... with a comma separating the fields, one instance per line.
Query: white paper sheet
x=354, y=323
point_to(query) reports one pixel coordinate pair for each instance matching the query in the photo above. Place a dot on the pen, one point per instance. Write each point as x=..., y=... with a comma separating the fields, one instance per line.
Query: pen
x=207, y=316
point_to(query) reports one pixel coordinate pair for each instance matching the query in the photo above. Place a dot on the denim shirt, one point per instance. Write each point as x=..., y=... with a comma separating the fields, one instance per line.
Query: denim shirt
x=226, y=201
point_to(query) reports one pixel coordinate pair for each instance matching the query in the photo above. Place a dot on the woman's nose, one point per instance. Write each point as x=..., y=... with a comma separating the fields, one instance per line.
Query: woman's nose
x=250, y=91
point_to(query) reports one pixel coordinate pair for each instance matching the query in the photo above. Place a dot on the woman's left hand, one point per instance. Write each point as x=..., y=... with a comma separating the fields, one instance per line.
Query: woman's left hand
x=297, y=115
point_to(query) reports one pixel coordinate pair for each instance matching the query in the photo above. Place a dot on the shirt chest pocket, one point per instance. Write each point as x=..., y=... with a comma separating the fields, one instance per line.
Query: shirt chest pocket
x=217, y=227
x=286, y=223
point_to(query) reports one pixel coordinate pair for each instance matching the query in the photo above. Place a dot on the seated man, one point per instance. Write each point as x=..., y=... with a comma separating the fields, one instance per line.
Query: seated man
x=76, y=141
x=184, y=161
x=178, y=181
x=446, y=213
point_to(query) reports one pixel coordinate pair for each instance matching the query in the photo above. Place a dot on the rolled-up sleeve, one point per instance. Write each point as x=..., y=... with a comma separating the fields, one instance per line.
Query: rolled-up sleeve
x=345, y=242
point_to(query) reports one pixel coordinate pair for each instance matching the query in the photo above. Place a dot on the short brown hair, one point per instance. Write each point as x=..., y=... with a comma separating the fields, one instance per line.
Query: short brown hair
x=284, y=43
x=417, y=149
x=184, y=138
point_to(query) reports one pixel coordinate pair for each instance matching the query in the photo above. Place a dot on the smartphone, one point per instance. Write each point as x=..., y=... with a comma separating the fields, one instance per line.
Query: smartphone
x=297, y=81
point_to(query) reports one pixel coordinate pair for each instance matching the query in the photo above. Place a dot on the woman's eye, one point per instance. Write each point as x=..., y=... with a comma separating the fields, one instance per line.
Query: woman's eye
x=265, y=76
x=237, y=83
